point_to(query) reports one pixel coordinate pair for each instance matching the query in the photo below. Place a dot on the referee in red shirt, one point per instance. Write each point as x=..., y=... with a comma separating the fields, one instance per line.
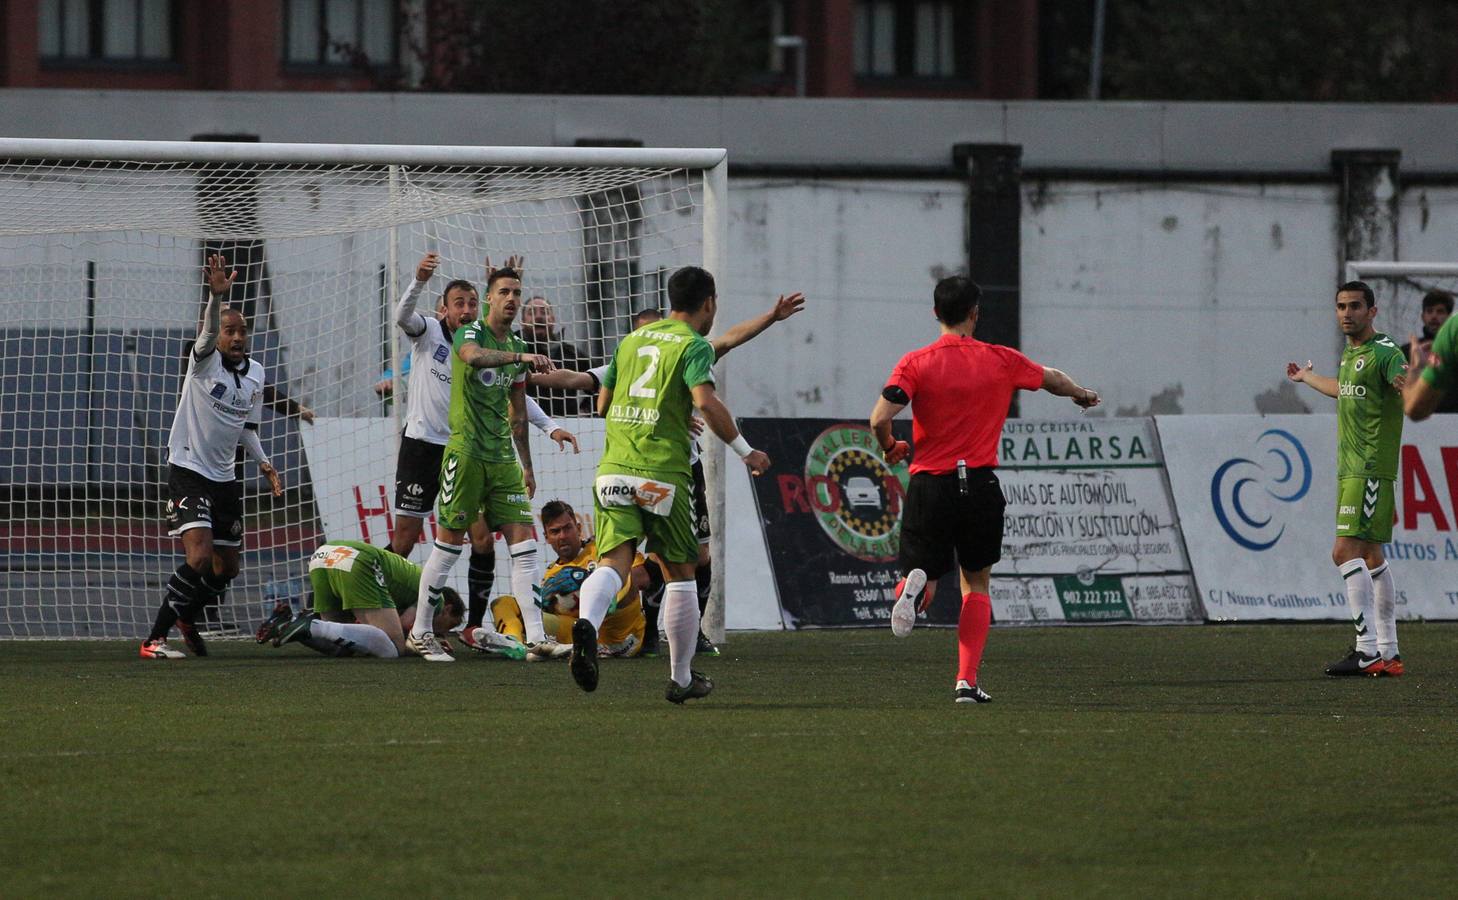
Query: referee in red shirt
x=959, y=389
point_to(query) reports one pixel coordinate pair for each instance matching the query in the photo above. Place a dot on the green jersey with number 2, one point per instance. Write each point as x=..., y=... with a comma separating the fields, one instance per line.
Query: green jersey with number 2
x=1369, y=409
x=652, y=376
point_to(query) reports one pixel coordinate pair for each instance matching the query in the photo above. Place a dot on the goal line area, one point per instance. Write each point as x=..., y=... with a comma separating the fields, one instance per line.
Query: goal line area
x=102, y=245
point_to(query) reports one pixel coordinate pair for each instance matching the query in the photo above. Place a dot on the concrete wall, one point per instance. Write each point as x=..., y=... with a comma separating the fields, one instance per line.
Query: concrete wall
x=1186, y=295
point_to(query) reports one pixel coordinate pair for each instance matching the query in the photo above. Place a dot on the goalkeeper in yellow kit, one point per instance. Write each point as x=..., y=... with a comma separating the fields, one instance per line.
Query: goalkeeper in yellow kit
x=624, y=626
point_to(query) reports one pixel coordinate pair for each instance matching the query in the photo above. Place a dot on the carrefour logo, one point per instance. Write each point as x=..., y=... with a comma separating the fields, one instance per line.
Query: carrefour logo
x=1242, y=489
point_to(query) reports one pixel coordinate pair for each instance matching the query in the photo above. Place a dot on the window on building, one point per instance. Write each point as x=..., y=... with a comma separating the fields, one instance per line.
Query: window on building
x=914, y=39
x=108, y=30
x=337, y=32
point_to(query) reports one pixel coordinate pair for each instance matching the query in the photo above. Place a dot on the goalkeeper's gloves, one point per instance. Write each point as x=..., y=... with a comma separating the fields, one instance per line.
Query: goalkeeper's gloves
x=895, y=453
x=567, y=580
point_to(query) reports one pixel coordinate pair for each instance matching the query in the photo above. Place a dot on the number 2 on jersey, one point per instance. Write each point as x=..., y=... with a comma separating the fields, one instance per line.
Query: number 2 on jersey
x=636, y=389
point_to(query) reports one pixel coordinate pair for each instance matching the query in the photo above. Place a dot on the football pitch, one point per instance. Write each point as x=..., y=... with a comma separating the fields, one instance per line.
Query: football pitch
x=1198, y=760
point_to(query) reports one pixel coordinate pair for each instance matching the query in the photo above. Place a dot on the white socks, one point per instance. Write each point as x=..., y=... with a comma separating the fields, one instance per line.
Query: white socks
x=681, y=621
x=437, y=570
x=366, y=639
x=1359, y=601
x=597, y=593
x=526, y=580
x=1384, y=594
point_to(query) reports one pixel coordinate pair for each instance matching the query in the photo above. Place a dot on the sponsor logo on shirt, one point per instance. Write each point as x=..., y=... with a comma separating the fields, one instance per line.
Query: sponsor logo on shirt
x=633, y=415
x=219, y=389
x=1347, y=389
x=630, y=490
x=333, y=556
x=487, y=377
x=441, y=353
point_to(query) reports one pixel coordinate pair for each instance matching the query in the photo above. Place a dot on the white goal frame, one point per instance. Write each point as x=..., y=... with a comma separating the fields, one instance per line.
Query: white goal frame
x=711, y=162
x=1377, y=268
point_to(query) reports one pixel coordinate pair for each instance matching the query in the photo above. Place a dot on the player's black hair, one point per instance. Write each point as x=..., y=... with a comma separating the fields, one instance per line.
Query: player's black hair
x=1438, y=298
x=954, y=299
x=461, y=283
x=556, y=509
x=503, y=272
x=451, y=602
x=653, y=311
x=689, y=289
x=1362, y=288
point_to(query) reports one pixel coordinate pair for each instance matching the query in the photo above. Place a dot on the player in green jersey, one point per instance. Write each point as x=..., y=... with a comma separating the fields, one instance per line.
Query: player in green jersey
x=1368, y=390
x=1437, y=381
x=480, y=475
x=644, y=488
x=364, y=599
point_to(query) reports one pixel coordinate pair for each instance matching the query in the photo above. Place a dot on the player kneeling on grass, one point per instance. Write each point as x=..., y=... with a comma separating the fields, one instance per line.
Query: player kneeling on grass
x=959, y=389
x=364, y=603
x=623, y=628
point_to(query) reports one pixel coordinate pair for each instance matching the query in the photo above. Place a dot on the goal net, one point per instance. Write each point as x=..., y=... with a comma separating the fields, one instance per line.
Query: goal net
x=1401, y=289
x=101, y=290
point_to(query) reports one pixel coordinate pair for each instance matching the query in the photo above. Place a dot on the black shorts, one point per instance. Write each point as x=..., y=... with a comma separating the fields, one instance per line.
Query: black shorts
x=194, y=501
x=417, y=476
x=939, y=519
x=701, y=504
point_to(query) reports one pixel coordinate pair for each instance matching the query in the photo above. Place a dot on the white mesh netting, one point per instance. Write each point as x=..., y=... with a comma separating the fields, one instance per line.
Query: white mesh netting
x=100, y=294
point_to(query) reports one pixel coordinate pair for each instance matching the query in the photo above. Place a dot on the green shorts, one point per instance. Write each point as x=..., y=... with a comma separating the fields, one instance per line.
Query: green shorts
x=471, y=487
x=1364, y=508
x=624, y=519
x=347, y=578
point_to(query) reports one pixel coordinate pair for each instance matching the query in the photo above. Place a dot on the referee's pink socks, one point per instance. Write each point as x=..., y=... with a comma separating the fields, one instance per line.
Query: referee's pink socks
x=972, y=628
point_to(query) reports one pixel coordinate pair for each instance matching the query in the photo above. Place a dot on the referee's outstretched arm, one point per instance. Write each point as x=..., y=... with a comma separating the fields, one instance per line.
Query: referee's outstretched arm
x=1059, y=384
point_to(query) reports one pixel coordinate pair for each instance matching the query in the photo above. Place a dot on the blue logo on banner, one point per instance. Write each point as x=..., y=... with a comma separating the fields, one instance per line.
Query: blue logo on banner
x=218, y=391
x=441, y=352
x=1281, y=471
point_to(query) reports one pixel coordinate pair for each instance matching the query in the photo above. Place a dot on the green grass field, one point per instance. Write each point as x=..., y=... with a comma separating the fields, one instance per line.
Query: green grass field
x=1209, y=761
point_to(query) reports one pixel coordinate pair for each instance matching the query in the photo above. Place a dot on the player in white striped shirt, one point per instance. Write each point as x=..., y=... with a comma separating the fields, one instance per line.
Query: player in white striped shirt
x=220, y=406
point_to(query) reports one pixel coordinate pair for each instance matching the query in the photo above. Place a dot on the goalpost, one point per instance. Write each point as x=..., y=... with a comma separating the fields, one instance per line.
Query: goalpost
x=101, y=252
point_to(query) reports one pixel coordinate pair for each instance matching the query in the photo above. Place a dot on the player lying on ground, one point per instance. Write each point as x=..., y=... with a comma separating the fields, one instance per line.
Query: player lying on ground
x=364, y=600
x=657, y=376
x=590, y=381
x=1369, y=393
x=623, y=627
x=427, y=428
x=480, y=476
x=220, y=406
x=959, y=389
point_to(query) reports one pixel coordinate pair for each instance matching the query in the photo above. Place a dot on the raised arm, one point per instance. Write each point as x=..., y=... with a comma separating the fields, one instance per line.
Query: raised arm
x=749, y=329
x=1059, y=384
x=721, y=422
x=410, y=321
x=219, y=282
x=1306, y=376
